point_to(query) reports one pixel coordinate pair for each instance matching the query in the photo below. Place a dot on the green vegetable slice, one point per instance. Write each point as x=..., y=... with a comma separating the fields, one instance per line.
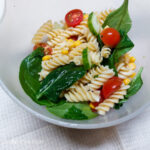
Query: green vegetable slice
x=58, y=80
x=86, y=59
x=73, y=111
x=93, y=24
x=119, y=19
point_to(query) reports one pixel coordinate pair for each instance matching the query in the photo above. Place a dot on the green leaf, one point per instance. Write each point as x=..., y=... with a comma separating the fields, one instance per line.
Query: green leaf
x=28, y=75
x=124, y=46
x=120, y=104
x=119, y=19
x=135, y=86
x=74, y=111
x=75, y=114
x=59, y=80
x=100, y=43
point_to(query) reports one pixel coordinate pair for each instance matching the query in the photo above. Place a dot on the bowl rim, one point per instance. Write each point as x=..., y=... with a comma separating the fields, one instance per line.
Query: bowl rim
x=72, y=125
x=3, y=6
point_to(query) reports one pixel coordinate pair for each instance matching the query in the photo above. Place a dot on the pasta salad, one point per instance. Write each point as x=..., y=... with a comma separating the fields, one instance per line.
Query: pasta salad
x=81, y=67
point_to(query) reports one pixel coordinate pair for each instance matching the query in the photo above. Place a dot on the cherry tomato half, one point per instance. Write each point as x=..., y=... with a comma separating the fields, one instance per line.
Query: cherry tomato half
x=74, y=17
x=110, y=37
x=111, y=86
x=47, y=48
x=74, y=37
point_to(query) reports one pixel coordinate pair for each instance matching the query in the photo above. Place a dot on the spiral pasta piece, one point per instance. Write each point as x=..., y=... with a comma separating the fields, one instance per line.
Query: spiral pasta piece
x=78, y=30
x=105, y=106
x=90, y=75
x=102, y=15
x=101, y=79
x=54, y=33
x=92, y=39
x=53, y=63
x=43, y=30
x=77, y=51
x=124, y=71
x=81, y=93
x=105, y=51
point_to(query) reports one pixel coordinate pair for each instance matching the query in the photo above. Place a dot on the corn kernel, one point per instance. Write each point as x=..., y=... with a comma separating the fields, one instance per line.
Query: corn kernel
x=70, y=40
x=92, y=106
x=77, y=43
x=64, y=51
x=132, y=59
x=132, y=66
x=126, y=81
x=47, y=57
x=133, y=75
x=85, y=16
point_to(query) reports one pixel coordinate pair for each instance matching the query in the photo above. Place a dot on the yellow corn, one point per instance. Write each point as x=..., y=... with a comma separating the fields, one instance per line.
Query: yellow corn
x=47, y=57
x=133, y=75
x=70, y=40
x=132, y=66
x=85, y=16
x=126, y=81
x=132, y=59
x=76, y=43
x=92, y=106
x=64, y=51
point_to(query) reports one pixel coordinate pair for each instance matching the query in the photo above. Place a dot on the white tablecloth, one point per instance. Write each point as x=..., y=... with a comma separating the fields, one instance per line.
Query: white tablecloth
x=19, y=130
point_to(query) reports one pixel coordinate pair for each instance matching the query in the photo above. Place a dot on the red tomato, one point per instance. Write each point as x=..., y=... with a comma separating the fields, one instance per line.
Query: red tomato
x=74, y=17
x=110, y=37
x=111, y=86
x=74, y=37
x=47, y=48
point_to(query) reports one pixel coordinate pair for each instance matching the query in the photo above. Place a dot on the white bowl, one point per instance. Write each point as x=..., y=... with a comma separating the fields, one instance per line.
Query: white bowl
x=2, y=9
x=21, y=22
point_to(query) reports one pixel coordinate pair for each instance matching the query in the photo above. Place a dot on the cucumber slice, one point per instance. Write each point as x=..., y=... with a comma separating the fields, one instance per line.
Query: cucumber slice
x=86, y=59
x=93, y=24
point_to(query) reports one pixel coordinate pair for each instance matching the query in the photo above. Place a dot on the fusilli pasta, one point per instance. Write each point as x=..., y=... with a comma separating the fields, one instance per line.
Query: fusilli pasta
x=102, y=15
x=53, y=63
x=105, y=51
x=82, y=93
x=104, y=107
x=124, y=71
x=44, y=29
x=101, y=79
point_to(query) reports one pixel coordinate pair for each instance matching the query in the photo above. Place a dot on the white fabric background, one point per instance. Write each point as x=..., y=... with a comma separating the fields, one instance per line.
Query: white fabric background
x=19, y=130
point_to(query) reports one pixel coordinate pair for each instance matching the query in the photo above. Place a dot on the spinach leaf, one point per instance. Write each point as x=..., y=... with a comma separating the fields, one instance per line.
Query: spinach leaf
x=119, y=19
x=124, y=46
x=28, y=75
x=75, y=114
x=135, y=86
x=120, y=104
x=74, y=111
x=58, y=80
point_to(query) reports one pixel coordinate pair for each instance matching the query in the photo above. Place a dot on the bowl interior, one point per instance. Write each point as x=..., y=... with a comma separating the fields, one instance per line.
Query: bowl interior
x=21, y=22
